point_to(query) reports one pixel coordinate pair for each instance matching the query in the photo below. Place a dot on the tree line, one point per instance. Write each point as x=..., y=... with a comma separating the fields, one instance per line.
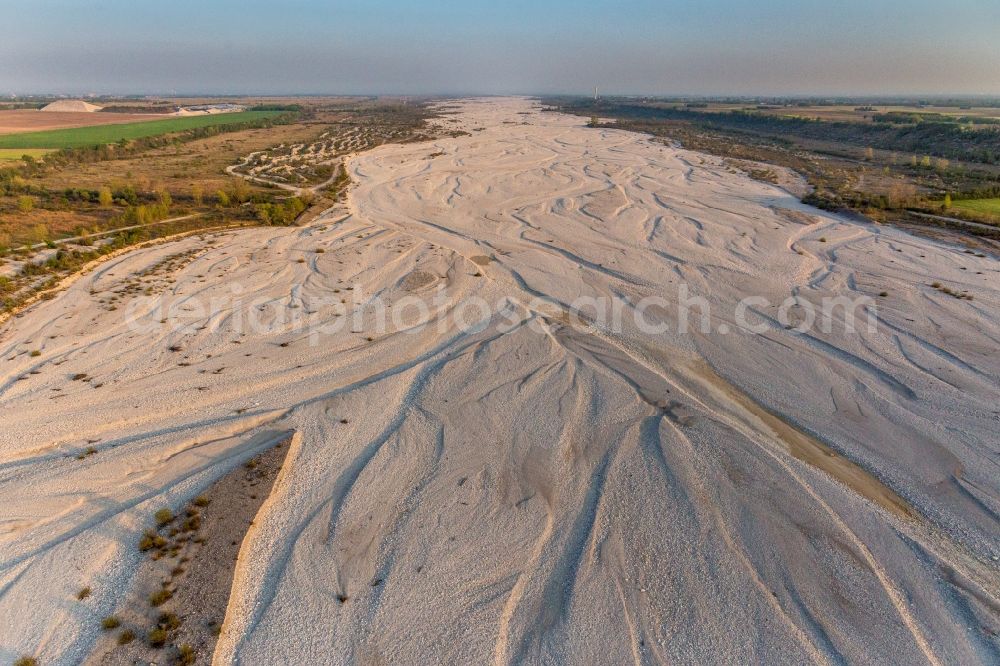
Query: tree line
x=948, y=140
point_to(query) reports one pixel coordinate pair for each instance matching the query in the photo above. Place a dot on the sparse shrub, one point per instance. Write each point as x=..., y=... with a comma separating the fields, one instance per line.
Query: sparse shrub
x=38, y=233
x=168, y=621
x=239, y=191
x=83, y=593
x=163, y=516
x=35, y=353
x=160, y=597
x=157, y=638
x=26, y=661
x=201, y=500
x=25, y=204
x=110, y=622
x=151, y=539
x=185, y=654
x=192, y=524
x=126, y=637
x=165, y=199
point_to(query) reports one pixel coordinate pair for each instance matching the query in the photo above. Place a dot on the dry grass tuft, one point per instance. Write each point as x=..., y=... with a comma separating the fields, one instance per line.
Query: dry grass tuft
x=160, y=597
x=157, y=638
x=185, y=654
x=163, y=516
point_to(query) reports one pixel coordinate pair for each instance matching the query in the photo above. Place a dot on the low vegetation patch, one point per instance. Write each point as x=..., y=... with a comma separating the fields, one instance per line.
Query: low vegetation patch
x=96, y=135
x=181, y=589
x=160, y=597
x=185, y=654
x=157, y=637
x=989, y=207
x=18, y=154
x=962, y=295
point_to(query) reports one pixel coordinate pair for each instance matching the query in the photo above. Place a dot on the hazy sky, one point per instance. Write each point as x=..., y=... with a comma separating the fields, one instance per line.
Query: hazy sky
x=501, y=46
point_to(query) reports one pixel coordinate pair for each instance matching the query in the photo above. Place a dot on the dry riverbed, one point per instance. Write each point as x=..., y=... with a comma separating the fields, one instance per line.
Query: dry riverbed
x=549, y=485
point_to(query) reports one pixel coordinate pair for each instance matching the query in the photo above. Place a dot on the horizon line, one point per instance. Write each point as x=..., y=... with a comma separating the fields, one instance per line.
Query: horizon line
x=717, y=95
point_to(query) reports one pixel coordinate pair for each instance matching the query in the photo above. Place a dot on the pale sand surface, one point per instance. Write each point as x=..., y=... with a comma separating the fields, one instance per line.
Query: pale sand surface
x=543, y=493
x=70, y=105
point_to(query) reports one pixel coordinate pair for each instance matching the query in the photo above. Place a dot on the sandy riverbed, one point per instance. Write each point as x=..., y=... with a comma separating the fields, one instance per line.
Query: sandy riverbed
x=544, y=487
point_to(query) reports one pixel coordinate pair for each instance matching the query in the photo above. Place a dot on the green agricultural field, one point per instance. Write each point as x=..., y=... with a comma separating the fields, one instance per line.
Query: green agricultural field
x=80, y=137
x=989, y=207
x=15, y=154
